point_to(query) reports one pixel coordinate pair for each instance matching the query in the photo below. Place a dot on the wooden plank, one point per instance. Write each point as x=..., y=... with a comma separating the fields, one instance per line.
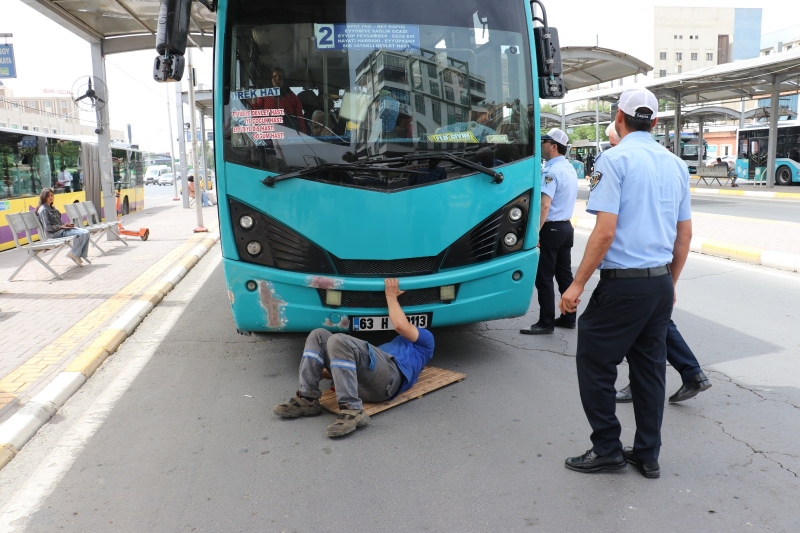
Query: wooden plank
x=430, y=379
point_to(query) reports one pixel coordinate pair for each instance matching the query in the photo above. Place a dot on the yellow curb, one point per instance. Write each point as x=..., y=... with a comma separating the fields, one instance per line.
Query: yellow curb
x=154, y=297
x=788, y=195
x=91, y=358
x=189, y=262
x=6, y=454
x=163, y=287
x=747, y=254
x=723, y=192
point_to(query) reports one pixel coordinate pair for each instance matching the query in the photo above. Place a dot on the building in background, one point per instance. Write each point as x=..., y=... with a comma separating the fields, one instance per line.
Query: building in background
x=689, y=38
x=780, y=41
x=54, y=113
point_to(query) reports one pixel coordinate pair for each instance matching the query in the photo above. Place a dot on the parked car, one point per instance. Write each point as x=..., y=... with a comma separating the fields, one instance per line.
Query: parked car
x=165, y=179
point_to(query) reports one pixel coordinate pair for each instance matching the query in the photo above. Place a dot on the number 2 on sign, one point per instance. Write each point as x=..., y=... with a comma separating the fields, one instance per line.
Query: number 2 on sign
x=324, y=35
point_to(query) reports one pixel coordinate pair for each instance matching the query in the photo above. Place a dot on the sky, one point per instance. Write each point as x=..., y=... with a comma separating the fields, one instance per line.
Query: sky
x=51, y=57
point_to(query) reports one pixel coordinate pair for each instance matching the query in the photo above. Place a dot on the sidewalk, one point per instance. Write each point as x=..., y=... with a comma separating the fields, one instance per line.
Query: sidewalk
x=46, y=324
x=766, y=242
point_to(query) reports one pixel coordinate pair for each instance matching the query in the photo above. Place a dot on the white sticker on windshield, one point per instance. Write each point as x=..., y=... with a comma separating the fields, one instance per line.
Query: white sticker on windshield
x=255, y=93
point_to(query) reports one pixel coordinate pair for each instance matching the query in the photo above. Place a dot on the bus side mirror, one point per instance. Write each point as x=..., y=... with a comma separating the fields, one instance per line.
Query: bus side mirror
x=548, y=62
x=173, y=31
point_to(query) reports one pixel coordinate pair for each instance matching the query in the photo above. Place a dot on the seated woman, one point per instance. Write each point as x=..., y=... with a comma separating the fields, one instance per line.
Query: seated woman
x=54, y=228
x=203, y=195
x=287, y=101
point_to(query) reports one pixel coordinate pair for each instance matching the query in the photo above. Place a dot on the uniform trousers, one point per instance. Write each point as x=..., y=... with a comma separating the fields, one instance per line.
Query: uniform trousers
x=555, y=247
x=625, y=318
x=679, y=355
x=359, y=371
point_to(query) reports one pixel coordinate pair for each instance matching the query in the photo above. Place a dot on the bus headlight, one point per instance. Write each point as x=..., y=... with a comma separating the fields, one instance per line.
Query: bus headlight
x=510, y=240
x=515, y=214
x=253, y=248
x=246, y=222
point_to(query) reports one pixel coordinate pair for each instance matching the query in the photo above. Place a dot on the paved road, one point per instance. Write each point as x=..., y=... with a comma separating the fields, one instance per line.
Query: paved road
x=155, y=195
x=174, y=433
x=781, y=210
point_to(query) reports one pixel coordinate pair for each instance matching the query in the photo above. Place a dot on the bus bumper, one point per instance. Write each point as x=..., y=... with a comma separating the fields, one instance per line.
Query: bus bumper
x=290, y=301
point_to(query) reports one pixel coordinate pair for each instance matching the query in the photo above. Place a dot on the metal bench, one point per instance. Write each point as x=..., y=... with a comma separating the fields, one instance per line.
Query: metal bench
x=26, y=223
x=94, y=218
x=710, y=174
x=77, y=217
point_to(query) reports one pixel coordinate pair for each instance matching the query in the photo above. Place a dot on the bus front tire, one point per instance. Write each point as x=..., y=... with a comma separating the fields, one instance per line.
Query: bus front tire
x=783, y=176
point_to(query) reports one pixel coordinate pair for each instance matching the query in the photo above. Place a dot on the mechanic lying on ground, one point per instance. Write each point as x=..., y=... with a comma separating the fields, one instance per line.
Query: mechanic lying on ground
x=360, y=371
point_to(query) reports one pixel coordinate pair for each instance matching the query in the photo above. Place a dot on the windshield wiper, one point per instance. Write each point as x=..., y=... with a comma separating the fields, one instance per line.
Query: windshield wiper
x=270, y=181
x=458, y=160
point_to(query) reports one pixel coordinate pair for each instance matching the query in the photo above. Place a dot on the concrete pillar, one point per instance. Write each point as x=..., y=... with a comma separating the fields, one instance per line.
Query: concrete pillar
x=741, y=118
x=198, y=204
x=773, y=131
x=175, y=196
x=182, y=144
x=700, y=143
x=676, y=145
x=203, y=150
x=597, y=127
x=103, y=138
x=564, y=118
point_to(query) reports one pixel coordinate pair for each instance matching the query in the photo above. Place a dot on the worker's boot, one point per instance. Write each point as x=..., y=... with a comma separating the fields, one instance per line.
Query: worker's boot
x=298, y=406
x=347, y=422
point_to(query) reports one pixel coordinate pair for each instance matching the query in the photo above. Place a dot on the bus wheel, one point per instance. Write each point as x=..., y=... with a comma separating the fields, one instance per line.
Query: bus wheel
x=125, y=207
x=783, y=176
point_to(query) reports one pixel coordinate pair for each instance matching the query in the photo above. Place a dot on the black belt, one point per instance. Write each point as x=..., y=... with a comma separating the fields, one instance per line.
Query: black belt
x=630, y=273
x=556, y=221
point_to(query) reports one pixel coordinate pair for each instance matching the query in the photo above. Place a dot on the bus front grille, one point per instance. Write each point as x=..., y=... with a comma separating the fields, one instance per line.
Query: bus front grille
x=392, y=267
x=377, y=299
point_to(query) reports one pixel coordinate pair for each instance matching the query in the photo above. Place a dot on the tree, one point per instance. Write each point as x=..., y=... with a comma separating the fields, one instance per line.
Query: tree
x=549, y=108
x=591, y=105
x=586, y=132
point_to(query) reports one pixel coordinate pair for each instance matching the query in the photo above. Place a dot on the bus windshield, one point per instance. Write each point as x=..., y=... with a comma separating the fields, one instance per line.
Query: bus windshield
x=311, y=82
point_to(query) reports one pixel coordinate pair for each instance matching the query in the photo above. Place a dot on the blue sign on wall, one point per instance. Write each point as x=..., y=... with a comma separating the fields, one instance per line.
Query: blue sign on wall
x=366, y=36
x=7, y=68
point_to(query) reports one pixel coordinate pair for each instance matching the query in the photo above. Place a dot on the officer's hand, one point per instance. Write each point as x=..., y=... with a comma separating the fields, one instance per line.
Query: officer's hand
x=570, y=299
x=392, y=287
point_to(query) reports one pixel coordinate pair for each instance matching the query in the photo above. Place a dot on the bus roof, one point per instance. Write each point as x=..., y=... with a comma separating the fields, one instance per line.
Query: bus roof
x=781, y=124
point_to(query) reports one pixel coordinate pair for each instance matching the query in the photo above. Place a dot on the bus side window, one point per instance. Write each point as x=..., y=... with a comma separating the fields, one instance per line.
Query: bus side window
x=743, y=149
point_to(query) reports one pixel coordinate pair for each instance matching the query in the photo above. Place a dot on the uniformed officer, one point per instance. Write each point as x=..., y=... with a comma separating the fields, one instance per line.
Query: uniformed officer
x=640, y=194
x=679, y=355
x=559, y=190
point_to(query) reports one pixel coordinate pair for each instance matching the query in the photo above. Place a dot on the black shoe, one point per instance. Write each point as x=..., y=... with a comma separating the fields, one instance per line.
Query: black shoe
x=564, y=322
x=591, y=462
x=696, y=384
x=536, y=329
x=648, y=470
x=624, y=394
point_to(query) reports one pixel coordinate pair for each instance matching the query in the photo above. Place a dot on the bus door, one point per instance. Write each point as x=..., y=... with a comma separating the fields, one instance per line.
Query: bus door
x=757, y=159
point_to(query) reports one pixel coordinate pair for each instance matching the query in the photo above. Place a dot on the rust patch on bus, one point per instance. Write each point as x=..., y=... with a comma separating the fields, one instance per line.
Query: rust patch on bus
x=272, y=304
x=344, y=323
x=321, y=282
x=230, y=296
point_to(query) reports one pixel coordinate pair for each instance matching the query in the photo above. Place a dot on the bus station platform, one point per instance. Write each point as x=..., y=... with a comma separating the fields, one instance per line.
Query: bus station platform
x=47, y=324
x=760, y=241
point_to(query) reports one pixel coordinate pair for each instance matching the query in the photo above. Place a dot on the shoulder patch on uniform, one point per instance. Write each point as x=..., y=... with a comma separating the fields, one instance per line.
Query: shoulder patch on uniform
x=595, y=179
x=548, y=178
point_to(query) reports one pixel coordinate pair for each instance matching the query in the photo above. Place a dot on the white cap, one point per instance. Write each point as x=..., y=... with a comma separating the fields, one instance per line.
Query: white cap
x=556, y=135
x=633, y=99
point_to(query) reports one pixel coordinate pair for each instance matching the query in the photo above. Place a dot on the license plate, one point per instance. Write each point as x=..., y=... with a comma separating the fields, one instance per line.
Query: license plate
x=382, y=323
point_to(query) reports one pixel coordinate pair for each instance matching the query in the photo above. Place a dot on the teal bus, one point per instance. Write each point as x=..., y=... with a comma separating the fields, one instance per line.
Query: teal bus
x=364, y=139
x=751, y=158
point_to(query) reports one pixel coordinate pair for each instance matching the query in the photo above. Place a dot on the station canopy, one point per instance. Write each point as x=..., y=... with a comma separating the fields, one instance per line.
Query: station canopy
x=748, y=78
x=121, y=25
x=584, y=66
